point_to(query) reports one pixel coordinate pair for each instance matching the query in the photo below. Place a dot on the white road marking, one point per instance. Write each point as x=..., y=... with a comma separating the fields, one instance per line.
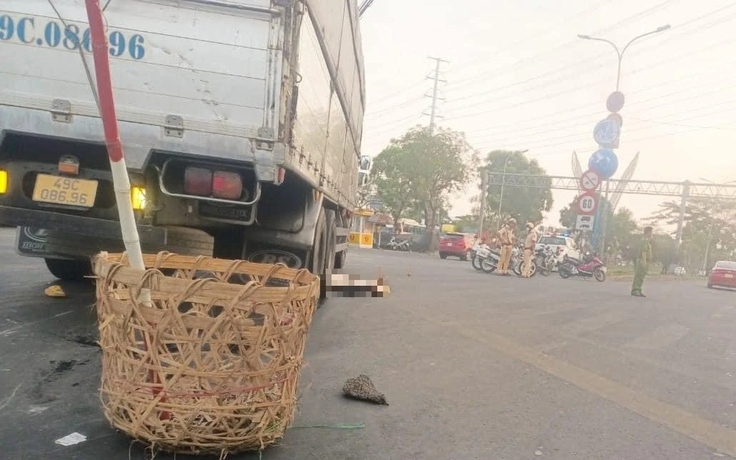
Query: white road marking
x=12, y=330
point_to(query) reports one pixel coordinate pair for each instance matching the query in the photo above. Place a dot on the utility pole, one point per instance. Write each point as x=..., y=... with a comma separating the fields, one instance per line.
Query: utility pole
x=437, y=80
x=483, y=190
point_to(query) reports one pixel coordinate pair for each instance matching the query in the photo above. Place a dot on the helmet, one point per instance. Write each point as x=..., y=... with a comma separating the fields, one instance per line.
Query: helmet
x=529, y=225
x=511, y=220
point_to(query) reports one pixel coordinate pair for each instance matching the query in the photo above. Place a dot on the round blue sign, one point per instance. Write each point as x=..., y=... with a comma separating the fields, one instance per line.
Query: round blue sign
x=606, y=132
x=604, y=162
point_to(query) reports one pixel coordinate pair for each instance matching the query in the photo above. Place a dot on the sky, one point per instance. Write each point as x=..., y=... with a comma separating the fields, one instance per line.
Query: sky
x=519, y=78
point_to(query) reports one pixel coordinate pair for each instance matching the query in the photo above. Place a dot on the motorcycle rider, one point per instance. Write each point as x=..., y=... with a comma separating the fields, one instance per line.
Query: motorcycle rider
x=530, y=244
x=506, y=239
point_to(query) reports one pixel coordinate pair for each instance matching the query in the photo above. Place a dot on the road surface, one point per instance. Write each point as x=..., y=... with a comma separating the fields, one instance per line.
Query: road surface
x=474, y=366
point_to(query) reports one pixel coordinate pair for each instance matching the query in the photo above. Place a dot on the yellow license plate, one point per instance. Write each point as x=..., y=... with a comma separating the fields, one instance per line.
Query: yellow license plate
x=65, y=190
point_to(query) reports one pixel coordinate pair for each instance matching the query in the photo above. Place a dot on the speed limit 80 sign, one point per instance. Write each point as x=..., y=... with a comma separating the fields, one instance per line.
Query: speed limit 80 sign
x=587, y=203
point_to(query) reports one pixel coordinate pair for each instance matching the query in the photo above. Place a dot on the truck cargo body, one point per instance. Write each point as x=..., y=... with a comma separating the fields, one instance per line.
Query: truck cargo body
x=241, y=122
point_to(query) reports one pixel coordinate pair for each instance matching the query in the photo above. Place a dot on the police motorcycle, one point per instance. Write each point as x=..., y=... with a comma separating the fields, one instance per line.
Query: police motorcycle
x=516, y=263
x=546, y=260
x=483, y=258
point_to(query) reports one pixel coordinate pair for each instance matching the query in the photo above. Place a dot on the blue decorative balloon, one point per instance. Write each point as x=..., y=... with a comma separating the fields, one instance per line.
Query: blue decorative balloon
x=604, y=162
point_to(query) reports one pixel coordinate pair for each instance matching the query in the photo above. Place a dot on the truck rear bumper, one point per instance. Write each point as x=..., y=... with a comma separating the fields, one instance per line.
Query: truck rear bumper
x=82, y=226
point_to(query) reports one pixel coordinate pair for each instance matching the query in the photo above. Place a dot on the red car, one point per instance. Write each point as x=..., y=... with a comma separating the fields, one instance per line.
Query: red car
x=723, y=274
x=456, y=245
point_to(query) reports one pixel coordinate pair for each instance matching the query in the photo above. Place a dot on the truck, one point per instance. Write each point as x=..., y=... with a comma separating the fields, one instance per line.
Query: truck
x=241, y=122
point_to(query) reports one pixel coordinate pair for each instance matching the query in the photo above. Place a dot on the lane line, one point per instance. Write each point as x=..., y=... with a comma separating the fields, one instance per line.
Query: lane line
x=14, y=329
x=7, y=400
x=693, y=426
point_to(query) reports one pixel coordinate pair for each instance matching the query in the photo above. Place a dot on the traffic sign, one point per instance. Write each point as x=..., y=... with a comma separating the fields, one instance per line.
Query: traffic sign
x=590, y=180
x=587, y=203
x=615, y=101
x=584, y=222
x=606, y=132
x=604, y=162
x=617, y=118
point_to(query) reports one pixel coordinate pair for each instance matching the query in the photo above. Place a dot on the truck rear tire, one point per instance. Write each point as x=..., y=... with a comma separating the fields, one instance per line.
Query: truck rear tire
x=69, y=270
x=331, y=241
x=317, y=254
x=187, y=242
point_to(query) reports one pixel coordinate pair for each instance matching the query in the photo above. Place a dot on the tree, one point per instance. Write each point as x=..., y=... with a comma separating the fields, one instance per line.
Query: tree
x=391, y=177
x=467, y=223
x=621, y=227
x=419, y=170
x=522, y=203
x=709, y=230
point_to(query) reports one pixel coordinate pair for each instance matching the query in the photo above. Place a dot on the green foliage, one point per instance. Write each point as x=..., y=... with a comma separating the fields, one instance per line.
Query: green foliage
x=391, y=176
x=709, y=231
x=522, y=203
x=468, y=223
x=417, y=171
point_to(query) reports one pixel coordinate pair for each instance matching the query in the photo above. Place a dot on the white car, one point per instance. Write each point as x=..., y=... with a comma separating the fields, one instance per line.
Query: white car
x=565, y=244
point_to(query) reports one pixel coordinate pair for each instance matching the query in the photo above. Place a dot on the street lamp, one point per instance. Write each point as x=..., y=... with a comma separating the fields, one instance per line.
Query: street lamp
x=621, y=53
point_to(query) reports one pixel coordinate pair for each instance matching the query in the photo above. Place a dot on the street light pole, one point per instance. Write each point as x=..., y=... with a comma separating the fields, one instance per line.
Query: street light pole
x=620, y=54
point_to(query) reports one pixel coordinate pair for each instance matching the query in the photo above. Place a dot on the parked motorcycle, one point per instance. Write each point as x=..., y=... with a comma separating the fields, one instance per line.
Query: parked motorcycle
x=516, y=263
x=395, y=245
x=591, y=266
x=484, y=259
x=545, y=260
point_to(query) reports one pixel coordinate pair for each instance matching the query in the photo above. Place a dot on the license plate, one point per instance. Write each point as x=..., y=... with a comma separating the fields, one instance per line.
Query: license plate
x=65, y=190
x=729, y=275
x=604, y=269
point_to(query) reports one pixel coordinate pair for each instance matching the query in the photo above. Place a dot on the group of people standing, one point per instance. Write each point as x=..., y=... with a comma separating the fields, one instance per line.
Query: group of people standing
x=506, y=239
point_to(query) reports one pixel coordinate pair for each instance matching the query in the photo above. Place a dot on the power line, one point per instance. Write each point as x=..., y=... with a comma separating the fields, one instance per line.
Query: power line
x=545, y=86
x=669, y=101
x=690, y=116
x=540, y=77
x=638, y=51
x=575, y=138
x=582, y=13
x=548, y=53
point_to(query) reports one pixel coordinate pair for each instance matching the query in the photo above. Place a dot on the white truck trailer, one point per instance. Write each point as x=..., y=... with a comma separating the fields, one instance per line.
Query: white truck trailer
x=241, y=122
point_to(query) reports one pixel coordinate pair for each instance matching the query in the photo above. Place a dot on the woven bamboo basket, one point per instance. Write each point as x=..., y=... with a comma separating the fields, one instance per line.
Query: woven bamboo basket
x=211, y=364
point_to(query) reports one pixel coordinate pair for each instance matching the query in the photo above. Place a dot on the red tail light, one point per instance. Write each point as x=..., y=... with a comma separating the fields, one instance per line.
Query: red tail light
x=198, y=181
x=227, y=185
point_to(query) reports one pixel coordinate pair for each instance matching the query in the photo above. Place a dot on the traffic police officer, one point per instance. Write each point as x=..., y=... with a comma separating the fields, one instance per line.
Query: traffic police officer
x=506, y=239
x=530, y=244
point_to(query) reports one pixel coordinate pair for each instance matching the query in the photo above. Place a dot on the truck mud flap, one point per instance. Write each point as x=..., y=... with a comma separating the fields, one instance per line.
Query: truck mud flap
x=31, y=242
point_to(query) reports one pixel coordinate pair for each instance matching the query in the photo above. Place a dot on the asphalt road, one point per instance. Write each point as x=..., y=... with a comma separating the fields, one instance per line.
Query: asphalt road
x=474, y=366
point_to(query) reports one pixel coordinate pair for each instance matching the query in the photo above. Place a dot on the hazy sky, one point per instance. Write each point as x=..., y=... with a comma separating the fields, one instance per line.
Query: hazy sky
x=519, y=78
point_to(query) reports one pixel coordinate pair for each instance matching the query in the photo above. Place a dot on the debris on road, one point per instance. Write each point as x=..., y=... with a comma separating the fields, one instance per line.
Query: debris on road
x=71, y=439
x=362, y=388
x=55, y=291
